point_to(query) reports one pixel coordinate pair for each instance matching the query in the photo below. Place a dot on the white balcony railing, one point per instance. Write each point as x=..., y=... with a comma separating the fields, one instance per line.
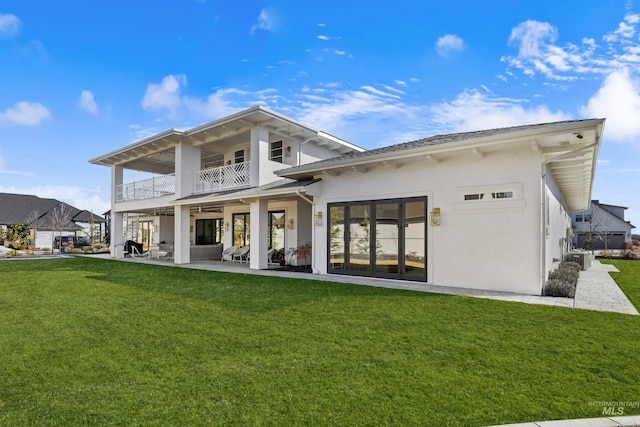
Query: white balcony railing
x=221, y=178
x=151, y=188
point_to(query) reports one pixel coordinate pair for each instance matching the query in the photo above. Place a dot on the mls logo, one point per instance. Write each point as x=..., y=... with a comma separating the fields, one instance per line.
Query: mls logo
x=612, y=410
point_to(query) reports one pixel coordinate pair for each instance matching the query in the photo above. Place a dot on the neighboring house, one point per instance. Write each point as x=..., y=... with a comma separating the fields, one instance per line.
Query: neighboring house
x=46, y=217
x=601, y=226
x=486, y=209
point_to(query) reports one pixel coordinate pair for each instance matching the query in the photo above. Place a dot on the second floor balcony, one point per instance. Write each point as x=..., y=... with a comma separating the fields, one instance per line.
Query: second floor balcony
x=221, y=178
x=205, y=181
x=151, y=188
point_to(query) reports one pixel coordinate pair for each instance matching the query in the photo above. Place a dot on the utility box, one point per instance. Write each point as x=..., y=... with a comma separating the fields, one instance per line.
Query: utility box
x=581, y=257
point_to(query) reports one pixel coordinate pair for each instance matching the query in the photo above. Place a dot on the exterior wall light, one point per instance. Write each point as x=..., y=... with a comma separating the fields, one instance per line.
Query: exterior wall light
x=226, y=226
x=290, y=223
x=318, y=221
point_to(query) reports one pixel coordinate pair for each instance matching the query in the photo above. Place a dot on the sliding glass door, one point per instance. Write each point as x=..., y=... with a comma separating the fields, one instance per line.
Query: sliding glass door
x=379, y=238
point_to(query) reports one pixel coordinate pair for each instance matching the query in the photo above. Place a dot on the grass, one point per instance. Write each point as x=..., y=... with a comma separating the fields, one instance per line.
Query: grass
x=628, y=278
x=97, y=342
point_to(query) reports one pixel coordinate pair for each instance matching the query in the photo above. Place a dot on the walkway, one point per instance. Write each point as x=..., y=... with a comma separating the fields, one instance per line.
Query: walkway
x=596, y=289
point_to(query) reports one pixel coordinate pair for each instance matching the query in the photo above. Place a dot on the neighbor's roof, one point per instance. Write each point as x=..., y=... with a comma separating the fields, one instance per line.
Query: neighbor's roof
x=569, y=148
x=37, y=211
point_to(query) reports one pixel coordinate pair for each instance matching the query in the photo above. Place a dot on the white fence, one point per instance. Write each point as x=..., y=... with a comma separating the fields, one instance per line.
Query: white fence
x=151, y=188
x=221, y=178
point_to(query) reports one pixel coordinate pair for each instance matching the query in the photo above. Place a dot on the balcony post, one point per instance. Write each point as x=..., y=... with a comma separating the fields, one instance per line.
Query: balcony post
x=116, y=183
x=259, y=154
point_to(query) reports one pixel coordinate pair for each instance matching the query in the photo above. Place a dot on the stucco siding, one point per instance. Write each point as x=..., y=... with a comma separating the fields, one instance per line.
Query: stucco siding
x=484, y=244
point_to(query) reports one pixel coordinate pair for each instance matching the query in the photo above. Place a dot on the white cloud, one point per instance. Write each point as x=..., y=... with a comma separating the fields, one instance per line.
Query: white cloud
x=215, y=105
x=88, y=102
x=625, y=30
x=25, y=113
x=448, y=44
x=10, y=25
x=323, y=37
x=473, y=110
x=532, y=38
x=617, y=100
x=165, y=95
x=539, y=55
x=265, y=21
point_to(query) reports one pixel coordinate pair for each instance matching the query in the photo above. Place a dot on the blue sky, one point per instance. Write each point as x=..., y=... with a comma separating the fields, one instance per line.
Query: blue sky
x=79, y=79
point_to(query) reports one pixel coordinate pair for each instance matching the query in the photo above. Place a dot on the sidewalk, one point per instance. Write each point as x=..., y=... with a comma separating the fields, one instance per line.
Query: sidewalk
x=598, y=291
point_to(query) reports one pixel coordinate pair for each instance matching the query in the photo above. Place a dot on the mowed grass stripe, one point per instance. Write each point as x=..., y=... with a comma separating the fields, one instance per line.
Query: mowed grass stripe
x=99, y=342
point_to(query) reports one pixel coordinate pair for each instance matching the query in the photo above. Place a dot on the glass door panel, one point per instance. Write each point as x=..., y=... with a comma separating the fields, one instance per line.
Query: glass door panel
x=336, y=238
x=387, y=238
x=360, y=238
x=414, y=239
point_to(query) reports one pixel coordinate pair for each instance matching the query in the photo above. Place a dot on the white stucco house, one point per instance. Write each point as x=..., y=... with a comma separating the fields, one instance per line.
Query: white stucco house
x=602, y=226
x=486, y=209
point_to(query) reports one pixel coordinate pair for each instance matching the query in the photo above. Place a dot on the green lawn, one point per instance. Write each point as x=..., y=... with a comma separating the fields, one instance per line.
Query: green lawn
x=98, y=342
x=628, y=279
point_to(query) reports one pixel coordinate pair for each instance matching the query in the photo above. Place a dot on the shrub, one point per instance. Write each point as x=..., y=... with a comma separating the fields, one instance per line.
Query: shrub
x=571, y=266
x=565, y=275
x=559, y=288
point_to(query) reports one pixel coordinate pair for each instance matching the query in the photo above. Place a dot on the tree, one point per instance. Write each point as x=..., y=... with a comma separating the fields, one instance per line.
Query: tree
x=17, y=235
x=59, y=217
x=599, y=224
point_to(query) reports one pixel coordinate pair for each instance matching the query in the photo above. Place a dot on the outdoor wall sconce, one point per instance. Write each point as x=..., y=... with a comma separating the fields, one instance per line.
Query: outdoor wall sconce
x=290, y=223
x=435, y=216
x=287, y=152
x=318, y=221
x=226, y=226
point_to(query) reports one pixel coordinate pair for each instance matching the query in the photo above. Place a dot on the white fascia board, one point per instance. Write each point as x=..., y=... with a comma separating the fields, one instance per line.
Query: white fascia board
x=448, y=147
x=103, y=160
x=240, y=195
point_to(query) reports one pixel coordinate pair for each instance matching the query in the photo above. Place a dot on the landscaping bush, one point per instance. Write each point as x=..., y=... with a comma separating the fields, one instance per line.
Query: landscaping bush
x=571, y=266
x=563, y=281
x=559, y=288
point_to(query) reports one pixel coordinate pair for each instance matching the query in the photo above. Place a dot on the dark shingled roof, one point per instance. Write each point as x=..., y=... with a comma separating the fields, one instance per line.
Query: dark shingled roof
x=436, y=140
x=21, y=209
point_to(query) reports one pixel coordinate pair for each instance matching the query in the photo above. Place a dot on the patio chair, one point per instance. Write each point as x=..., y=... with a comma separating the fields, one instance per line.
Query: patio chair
x=227, y=254
x=136, y=252
x=270, y=262
x=241, y=255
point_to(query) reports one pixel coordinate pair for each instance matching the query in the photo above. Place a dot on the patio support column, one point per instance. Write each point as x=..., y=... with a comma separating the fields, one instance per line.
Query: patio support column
x=259, y=227
x=116, y=231
x=187, y=162
x=116, y=235
x=182, y=244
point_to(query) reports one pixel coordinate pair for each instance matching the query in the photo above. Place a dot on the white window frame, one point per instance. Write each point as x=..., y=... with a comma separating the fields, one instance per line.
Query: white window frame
x=485, y=198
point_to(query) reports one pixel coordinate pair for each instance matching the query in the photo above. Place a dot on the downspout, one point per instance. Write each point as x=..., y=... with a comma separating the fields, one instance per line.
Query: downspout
x=313, y=232
x=543, y=212
x=299, y=159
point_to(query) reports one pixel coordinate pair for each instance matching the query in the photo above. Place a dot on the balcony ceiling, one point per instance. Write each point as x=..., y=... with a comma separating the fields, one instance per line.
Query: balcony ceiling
x=156, y=154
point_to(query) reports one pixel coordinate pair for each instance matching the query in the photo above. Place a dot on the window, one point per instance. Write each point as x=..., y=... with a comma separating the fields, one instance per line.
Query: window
x=241, y=230
x=583, y=217
x=238, y=156
x=380, y=238
x=475, y=196
x=209, y=231
x=503, y=195
x=275, y=152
